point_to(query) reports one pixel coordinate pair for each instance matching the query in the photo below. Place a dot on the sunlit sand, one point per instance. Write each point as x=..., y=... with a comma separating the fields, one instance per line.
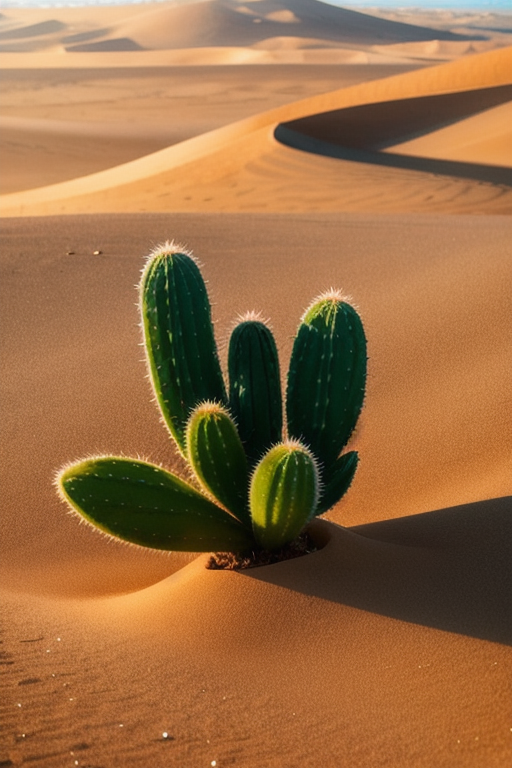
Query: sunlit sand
x=292, y=146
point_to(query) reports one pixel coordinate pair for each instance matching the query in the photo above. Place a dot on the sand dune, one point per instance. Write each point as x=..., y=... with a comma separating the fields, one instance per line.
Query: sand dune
x=231, y=32
x=33, y=30
x=224, y=23
x=389, y=647
x=226, y=169
x=80, y=120
x=470, y=142
x=435, y=49
x=378, y=125
x=36, y=151
x=484, y=138
x=370, y=643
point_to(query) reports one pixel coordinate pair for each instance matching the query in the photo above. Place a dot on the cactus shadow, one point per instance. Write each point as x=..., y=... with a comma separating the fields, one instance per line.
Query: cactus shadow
x=449, y=569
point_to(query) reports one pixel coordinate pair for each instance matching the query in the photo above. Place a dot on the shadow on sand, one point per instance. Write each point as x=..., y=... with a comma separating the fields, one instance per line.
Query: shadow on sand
x=450, y=569
x=360, y=133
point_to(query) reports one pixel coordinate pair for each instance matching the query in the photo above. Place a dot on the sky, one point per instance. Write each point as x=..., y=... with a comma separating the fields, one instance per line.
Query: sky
x=488, y=5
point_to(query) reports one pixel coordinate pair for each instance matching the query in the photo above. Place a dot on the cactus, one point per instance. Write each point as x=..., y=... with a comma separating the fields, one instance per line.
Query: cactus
x=336, y=481
x=228, y=508
x=255, y=386
x=216, y=454
x=178, y=336
x=283, y=494
x=327, y=375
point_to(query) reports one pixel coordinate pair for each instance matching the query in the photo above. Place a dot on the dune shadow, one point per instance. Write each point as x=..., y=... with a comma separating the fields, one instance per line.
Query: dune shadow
x=450, y=569
x=360, y=133
x=85, y=37
x=103, y=46
x=33, y=30
x=494, y=174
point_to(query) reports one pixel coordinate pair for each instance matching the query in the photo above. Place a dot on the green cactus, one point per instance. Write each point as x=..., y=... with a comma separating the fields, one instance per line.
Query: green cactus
x=216, y=454
x=283, y=494
x=336, y=481
x=255, y=386
x=178, y=336
x=327, y=376
x=291, y=482
x=145, y=505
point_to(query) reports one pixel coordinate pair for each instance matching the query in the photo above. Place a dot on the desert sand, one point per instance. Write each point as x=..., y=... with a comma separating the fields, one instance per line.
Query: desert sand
x=293, y=147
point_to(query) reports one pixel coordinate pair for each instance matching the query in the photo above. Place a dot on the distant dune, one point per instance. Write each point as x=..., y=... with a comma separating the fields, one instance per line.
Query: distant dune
x=227, y=23
x=219, y=23
x=103, y=46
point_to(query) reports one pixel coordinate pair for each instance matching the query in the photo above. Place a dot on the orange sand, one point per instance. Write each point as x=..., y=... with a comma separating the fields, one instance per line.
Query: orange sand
x=391, y=645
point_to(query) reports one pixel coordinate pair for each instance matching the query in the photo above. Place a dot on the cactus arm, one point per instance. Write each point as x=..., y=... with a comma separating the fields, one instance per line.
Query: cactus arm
x=216, y=454
x=146, y=505
x=255, y=387
x=283, y=494
x=178, y=336
x=337, y=481
x=326, y=378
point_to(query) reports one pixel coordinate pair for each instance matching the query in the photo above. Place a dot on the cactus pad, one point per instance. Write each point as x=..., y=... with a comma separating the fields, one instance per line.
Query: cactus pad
x=145, y=505
x=326, y=378
x=216, y=454
x=178, y=336
x=283, y=494
x=255, y=387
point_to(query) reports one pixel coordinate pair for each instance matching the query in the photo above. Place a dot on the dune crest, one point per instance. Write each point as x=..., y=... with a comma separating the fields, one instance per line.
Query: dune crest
x=222, y=161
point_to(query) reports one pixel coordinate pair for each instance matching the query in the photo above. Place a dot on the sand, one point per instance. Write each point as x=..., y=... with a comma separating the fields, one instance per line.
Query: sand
x=386, y=174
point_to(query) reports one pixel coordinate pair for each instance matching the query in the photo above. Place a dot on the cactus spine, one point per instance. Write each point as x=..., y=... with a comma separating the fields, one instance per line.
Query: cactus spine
x=178, y=336
x=326, y=378
x=255, y=386
x=283, y=494
x=216, y=454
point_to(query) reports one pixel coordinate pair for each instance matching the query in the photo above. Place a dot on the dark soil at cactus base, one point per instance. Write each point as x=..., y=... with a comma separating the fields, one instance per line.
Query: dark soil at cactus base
x=231, y=561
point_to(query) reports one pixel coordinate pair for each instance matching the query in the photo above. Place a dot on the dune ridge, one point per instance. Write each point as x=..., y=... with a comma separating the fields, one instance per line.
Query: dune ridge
x=83, y=120
x=151, y=182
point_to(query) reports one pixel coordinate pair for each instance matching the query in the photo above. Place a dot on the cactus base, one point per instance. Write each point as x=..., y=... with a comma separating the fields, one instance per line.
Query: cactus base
x=305, y=544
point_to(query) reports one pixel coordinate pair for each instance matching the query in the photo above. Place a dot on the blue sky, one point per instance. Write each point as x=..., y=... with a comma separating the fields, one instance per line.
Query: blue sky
x=489, y=5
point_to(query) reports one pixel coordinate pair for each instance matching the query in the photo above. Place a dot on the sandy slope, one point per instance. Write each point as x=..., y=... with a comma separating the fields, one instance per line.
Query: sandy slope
x=67, y=114
x=389, y=647
x=484, y=138
x=242, y=167
x=362, y=653
x=64, y=123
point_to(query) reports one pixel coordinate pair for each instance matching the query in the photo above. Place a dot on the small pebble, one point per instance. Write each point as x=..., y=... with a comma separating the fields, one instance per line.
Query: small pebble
x=97, y=253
